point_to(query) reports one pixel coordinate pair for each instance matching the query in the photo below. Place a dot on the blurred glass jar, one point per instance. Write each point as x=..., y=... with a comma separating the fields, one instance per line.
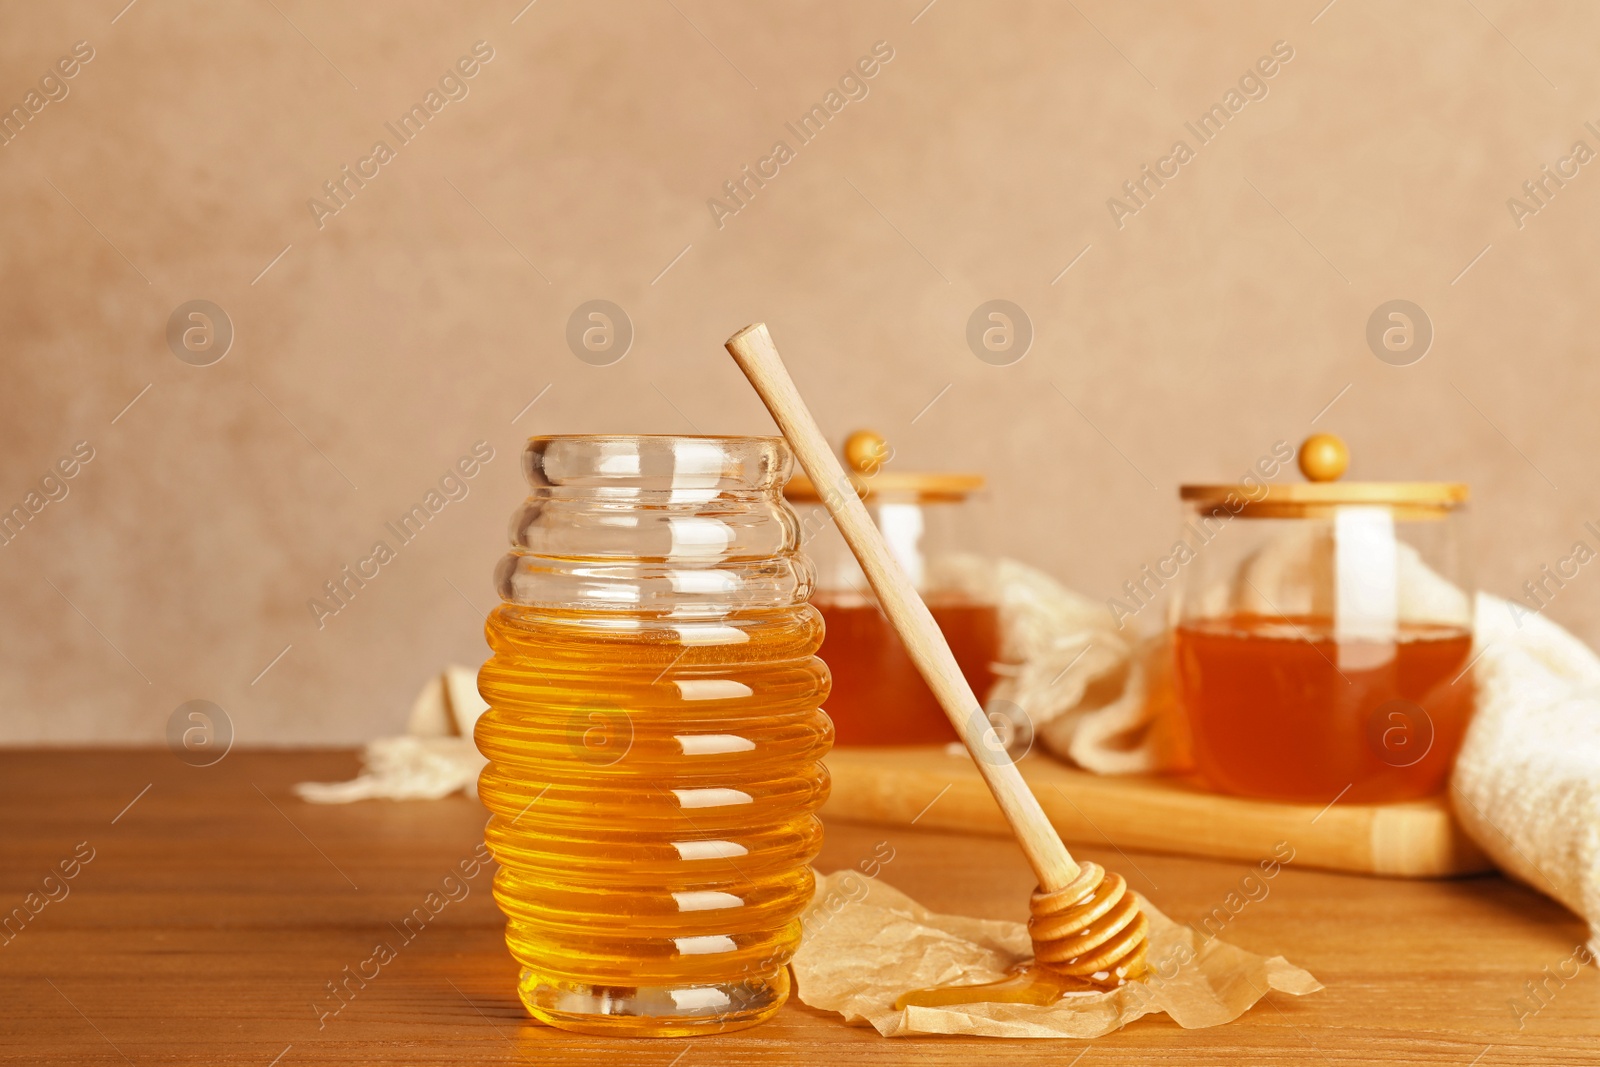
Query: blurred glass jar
x=878, y=697
x=1321, y=645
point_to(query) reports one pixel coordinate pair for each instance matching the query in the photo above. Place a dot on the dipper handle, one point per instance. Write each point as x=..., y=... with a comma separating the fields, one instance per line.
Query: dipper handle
x=753, y=350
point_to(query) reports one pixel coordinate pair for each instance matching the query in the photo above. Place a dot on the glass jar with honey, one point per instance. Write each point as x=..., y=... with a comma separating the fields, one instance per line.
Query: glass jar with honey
x=1323, y=633
x=878, y=696
x=654, y=735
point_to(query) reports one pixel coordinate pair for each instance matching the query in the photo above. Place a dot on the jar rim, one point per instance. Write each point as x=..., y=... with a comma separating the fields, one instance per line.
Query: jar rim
x=679, y=463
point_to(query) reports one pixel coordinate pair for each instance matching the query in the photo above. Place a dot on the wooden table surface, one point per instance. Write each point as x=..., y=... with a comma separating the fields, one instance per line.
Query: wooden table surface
x=217, y=906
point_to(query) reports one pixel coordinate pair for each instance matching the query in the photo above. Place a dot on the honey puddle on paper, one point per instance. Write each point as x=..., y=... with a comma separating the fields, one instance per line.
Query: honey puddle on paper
x=1030, y=983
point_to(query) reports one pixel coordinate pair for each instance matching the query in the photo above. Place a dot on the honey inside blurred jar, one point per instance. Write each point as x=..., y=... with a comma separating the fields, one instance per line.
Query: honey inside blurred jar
x=1323, y=635
x=878, y=697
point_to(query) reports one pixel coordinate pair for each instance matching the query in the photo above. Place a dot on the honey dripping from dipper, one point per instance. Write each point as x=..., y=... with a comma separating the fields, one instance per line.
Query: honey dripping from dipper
x=1088, y=937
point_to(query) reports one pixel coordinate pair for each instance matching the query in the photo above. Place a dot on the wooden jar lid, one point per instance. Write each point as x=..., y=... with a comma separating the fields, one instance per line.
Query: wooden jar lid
x=865, y=453
x=1323, y=458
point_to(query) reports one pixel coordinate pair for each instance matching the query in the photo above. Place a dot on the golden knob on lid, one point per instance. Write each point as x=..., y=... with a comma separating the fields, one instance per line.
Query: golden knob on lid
x=1323, y=457
x=866, y=451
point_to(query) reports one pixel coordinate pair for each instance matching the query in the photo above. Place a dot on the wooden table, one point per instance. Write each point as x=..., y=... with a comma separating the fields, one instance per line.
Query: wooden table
x=217, y=907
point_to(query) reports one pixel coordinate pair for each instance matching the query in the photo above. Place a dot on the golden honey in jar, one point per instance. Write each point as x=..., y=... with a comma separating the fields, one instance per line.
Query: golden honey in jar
x=1323, y=635
x=654, y=734
x=879, y=696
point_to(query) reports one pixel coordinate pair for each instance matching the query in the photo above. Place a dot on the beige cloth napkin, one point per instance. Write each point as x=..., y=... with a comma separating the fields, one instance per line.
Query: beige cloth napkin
x=433, y=758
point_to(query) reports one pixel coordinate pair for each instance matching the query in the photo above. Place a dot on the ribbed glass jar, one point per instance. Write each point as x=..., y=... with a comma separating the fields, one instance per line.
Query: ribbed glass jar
x=654, y=733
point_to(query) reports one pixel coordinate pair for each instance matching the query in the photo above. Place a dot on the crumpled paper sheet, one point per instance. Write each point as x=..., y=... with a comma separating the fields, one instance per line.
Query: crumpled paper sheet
x=866, y=943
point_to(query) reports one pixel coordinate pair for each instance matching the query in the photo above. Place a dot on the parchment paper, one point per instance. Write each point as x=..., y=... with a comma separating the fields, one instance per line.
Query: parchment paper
x=866, y=943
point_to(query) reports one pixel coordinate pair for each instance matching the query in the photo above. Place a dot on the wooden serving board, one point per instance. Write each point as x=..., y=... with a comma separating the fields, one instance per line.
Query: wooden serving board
x=933, y=789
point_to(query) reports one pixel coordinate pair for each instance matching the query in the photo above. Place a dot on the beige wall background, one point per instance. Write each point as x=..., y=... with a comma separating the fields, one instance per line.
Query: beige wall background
x=372, y=352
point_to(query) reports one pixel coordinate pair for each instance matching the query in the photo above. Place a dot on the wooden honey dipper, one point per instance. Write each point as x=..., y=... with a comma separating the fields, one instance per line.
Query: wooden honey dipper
x=1084, y=922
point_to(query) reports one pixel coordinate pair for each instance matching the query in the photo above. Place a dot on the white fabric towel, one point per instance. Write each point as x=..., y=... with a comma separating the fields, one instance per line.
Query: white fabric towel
x=1527, y=782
